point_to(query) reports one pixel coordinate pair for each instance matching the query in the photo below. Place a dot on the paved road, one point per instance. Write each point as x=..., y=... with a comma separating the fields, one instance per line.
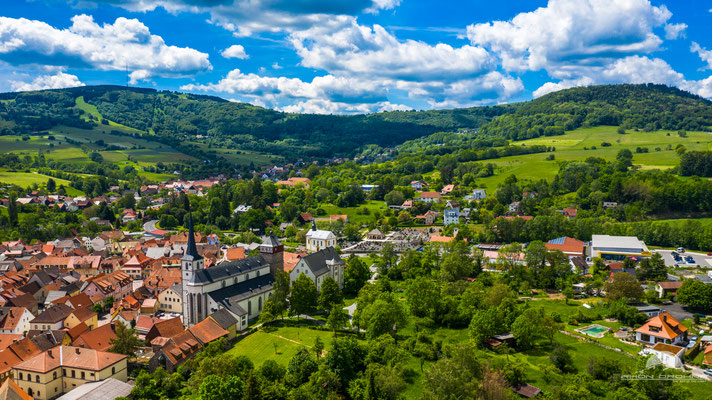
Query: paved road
x=150, y=226
x=676, y=310
x=697, y=373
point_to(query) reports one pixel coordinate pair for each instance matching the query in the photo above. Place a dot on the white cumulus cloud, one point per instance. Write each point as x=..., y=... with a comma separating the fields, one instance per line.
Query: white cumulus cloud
x=127, y=43
x=235, y=51
x=674, y=31
x=567, y=32
x=58, y=81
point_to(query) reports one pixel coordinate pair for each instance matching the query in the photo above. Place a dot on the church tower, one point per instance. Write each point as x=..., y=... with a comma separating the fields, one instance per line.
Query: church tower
x=273, y=251
x=190, y=263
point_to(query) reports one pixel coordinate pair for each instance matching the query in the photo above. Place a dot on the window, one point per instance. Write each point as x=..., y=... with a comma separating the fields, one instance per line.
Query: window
x=37, y=379
x=82, y=374
x=20, y=375
x=113, y=370
x=74, y=375
x=64, y=372
x=54, y=375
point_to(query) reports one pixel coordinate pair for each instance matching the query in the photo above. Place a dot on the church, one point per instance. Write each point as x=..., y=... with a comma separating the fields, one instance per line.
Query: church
x=242, y=287
x=319, y=240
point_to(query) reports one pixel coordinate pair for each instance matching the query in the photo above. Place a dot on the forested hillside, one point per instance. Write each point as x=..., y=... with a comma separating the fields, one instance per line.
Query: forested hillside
x=645, y=107
x=182, y=119
x=230, y=124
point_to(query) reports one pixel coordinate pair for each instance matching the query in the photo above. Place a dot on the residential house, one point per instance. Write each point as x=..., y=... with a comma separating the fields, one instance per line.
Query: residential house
x=447, y=189
x=64, y=368
x=662, y=328
x=96, y=339
x=51, y=318
x=667, y=288
x=479, y=194
x=137, y=266
x=319, y=265
x=81, y=315
x=451, y=216
x=429, y=197
x=172, y=352
x=15, y=320
x=609, y=204
x=569, y=212
x=165, y=328
x=428, y=218
x=171, y=299
x=418, y=185
x=117, y=284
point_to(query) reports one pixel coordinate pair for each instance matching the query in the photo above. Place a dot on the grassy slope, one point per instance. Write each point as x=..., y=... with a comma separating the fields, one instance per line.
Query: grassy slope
x=25, y=179
x=570, y=147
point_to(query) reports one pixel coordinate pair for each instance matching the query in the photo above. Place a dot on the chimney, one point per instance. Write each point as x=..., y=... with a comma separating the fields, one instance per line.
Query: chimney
x=77, y=350
x=665, y=317
x=49, y=353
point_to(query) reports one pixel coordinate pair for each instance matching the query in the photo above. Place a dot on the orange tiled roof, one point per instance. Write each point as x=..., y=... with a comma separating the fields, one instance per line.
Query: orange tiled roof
x=96, y=339
x=24, y=348
x=208, y=330
x=663, y=326
x=73, y=357
x=10, y=391
x=8, y=359
x=83, y=314
x=7, y=339
x=570, y=245
x=77, y=330
x=235, y=253
x=169, y=327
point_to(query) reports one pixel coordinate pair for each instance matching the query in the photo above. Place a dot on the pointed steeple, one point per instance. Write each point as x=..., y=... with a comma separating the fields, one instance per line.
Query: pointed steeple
x=313, y=225
x=191, y=250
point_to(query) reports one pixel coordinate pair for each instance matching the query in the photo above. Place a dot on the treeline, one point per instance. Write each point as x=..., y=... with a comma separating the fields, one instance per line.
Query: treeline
x=697, y=163
x=646, y=107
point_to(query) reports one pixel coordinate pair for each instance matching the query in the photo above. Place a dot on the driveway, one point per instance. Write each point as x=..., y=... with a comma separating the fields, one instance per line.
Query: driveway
x=677, y=311
x=150, y=226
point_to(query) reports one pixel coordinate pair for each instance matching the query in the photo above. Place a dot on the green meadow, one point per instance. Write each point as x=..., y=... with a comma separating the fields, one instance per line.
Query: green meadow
x=579, y=144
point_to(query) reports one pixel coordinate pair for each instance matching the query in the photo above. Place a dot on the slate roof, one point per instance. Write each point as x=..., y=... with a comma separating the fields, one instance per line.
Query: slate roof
x=229, y=296
x=228, y=269
x=223, y=318
x=317, y=261
x=54, y=314
x=271, y=241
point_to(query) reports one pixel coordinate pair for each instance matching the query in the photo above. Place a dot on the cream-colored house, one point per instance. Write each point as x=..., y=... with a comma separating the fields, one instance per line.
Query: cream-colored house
x=171, y=299
x=61, y=369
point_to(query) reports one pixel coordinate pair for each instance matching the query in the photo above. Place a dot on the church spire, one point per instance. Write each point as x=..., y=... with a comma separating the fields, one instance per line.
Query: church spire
x=313, y=228
x=191, y=250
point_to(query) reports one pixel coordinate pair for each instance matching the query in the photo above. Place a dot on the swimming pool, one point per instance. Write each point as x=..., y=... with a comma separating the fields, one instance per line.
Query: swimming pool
x=594, y=330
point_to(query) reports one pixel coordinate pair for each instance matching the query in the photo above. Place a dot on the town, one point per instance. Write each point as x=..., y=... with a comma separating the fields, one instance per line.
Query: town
x=93, y=312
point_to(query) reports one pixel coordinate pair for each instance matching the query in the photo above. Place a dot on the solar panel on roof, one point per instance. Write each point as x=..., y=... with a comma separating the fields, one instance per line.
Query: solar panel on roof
x=558, y=240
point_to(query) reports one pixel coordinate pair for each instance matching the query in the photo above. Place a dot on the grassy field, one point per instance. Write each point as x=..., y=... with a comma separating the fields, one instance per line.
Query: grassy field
x=355, y=213
x=578, y=145
x=280, y=344
x=241, y=156
x=25, y=179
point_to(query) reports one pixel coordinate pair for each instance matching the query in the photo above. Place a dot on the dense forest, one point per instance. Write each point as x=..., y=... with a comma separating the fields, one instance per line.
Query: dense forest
x=646, y=107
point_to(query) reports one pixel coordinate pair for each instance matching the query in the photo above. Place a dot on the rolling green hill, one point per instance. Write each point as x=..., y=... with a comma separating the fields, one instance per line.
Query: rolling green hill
x=210, y=128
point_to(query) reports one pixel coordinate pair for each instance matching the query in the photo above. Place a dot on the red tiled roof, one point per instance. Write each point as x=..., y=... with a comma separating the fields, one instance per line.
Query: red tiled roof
x=208, y=330
x=663, y=326
x=73, y=357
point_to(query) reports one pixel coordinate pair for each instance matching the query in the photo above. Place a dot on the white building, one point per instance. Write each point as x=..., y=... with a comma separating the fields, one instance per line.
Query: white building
x=669, y=355
x=618, y=247
x=319, y=240
x=318, y=266
x=451, y=216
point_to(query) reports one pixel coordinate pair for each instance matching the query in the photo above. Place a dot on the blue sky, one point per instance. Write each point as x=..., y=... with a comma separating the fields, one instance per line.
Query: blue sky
x=353, y=56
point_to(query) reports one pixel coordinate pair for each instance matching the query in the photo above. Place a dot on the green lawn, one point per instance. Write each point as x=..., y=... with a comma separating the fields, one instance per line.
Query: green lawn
x=572, y=146
x=260, y=346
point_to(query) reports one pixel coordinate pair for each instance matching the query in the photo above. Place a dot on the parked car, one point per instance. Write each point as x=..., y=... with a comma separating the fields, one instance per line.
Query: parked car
x=707, y=372
x=680, y=249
